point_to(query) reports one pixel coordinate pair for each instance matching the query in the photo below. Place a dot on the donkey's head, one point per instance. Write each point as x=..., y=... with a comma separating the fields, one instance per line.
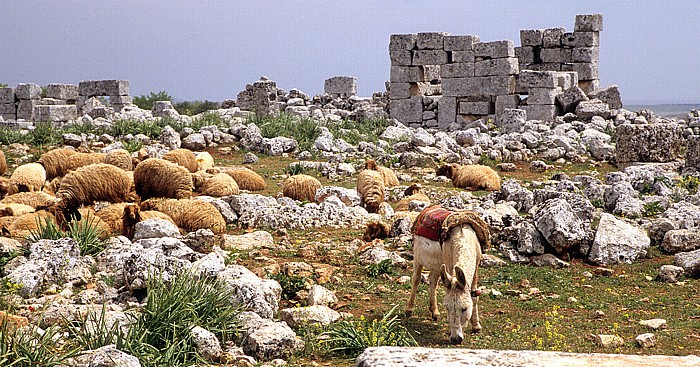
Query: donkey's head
x=458, y=302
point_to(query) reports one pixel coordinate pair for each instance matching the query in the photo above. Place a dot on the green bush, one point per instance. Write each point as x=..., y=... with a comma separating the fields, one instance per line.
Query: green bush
x=9, y=136
x=146, y=101
x=29, y=347
x=44, y=134
x=85, y=232
x=195, y=107
x=133, y=145
x=291, y=284
x=382, y=267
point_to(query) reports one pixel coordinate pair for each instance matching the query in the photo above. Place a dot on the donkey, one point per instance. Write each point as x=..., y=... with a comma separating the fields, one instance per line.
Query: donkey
x=455, y=261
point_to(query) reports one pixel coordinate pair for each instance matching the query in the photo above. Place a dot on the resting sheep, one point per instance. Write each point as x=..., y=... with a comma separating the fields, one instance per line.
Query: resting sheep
x=199, y=178
x=15, y=210
x=132, y=214
x=120, y=158
x=78, y=160
x=21, y=226
x=412, y=193
x=204, y=161
x=3, y=163
x=301, y=187
x=189, y=214
x=246, y=178
x=159, y=178
x=183, y=157
x=27, y=178
x=390, y=179
x=370, y=185
x=220, y=185
x=54, y=162
x=376, y=230
x=4, y=186
x=36, y=199
x=471, y=176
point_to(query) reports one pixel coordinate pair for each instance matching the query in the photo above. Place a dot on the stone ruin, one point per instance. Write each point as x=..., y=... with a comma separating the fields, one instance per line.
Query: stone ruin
x=63, y=102
x=438, y=80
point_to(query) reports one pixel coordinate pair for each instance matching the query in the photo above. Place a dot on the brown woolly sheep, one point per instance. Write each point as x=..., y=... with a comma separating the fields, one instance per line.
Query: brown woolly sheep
x=23, y=225
x=412, y=193
x=471, y=176
x=219, y=185
x=3, y=163
x=51, y=188
x=120, y=158
x=89, y=215
x=96, y=182
x=204, y=161
x=370, y=185
x=199, y=178
x=112, y=215
x=246, y=178
x=183, y=157
x=159, y=178
x=189, y=214
x=15, y=210
x=390, y=179
x=54, y=161
x=27, y=178
x=37, y=199
x=132, y=214
x=301, y=187
x=78, y=160
x=4, y=186
x=376, y=230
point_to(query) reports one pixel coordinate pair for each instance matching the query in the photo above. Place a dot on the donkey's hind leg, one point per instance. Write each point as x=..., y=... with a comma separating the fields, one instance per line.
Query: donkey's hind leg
x=476, y=326
x=415, y=281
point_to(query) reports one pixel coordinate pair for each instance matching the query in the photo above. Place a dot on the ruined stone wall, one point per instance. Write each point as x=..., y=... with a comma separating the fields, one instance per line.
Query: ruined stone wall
x=438, y=80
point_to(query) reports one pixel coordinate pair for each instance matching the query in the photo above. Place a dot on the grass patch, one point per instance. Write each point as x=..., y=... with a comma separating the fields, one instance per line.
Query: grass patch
x=291, y=284
x=85, y=232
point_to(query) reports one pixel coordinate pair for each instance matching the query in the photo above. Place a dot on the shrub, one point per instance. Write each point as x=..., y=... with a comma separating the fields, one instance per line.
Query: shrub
x=44, y=134
x=291, y=284
x=652, y=208
x=133, y=145
x=29, y=347
x=350, y=338
x=382, y=267
x=84, y=232
x=207, y=119
x=195, y=107
x=9, y=136
x=690, y=183
x=146, y=102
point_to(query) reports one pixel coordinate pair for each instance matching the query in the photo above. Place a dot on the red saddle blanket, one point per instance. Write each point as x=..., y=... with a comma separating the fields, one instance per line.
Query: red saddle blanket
x=428, y=224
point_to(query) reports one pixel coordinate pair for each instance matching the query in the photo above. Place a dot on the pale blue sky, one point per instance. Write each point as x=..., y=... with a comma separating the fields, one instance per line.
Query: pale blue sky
x=211, y=49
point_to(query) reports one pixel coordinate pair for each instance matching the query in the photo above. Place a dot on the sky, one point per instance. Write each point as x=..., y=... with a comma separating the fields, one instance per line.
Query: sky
x=212, y=49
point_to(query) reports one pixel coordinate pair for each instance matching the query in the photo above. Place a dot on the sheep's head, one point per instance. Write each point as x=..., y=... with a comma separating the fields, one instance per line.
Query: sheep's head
x=376, y=230
x=132, y=213
x=4, y=187
x=446, y=170
x=413, y=189
x=371, y=164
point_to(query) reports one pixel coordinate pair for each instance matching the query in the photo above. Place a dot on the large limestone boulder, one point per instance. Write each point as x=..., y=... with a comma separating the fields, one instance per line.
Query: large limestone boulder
x=315, y=315
x=681, y=240
x=266, y=339
x=648, y=143
x=560, y=225
x=261, y=296
x=689, y=261
x=617, y=241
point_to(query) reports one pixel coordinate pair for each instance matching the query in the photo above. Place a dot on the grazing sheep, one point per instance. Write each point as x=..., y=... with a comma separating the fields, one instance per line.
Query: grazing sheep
x=370, y=185
x=390, y=179
x=189, y=214
x=301, y=187
x=78, y=160
x=3, y=163
x=120, y=158
x=246, y=178
x=412, y=193
x=112, y=215
x=27, y=178
x=54, y=162
x=132, y=214
x=220, y=185
x=37, y=199
x=376, y=230
x=90, y=216
x=471, y=176
x=204, y=161
x=51, y=188
x=183, y=157
x=199, y=178
x=159, y=178
x=22, y=226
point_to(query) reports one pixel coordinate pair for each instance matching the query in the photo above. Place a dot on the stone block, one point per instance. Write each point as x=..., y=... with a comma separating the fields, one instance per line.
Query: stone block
x=501, y=66
x=463, y=56
x=570, y=98
x=648, y=142
x=555, y=55
x=511, y=120
x=447, y=112
x=475, y=108
x=457, y=70
x=588, y=23
x=341, y=86
x=400, y=57
x=8, y=116
x=431, y=73
x=538, y=79
x=531, y=37
x=429, y=57
x=55, y=113
x=542, y=96
x=609, y=95
x=589, y=86
x=580, y=39
x=121, y=100
x=401, y=90
x=551, y=37
x=7, y=95
x=407, y=110
x=526, y=55
x=430, y=40
x=543, y=67
x=567, y=79
x=585, y=110
x=402, y=42
x=460, y=43
x=8, y=108
x=62, y=91
x=478, y=86
x=504, y=102
x=692, y=152
x=584, y=54
x=28, y=91
x=494, y=49
x=586, y=70
x=25, y=109
x=427, y=89
x=405, y=74
x=50, y=101
x=91, y=88
x=541, y=112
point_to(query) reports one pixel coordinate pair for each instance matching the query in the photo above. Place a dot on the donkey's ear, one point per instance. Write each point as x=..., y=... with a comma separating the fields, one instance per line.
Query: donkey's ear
x=460, y=278
x=446, y=277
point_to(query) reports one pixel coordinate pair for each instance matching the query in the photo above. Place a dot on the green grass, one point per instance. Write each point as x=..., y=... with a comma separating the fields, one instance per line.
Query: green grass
x=85, y=232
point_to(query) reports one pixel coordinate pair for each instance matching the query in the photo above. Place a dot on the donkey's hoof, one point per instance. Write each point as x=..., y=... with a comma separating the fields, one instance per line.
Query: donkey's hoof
x=409, y=313
x=476, y=330
x=435, y=317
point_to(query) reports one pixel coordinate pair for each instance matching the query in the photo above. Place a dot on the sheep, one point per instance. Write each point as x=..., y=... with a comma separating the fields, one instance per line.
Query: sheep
x=120, y=158
x=3, y=163
x=90, y=216
x=189, y=214
x=95, y=182
x=112, y=215
x=15, y=210
x=54, y=162
x=4, y=186
x=301, y=187
x=156, y=177
x=204, y=161
x=183, y=157
x=412, y=193
x=52, y=187
x=27, y=178
x=376, y=230
x=23, y=225
x=132, y=214
x=246, y=178
x=37, y=199
x=471, y=176
x=370, y=185
x=78, y=160
x=219, y=185
x=199, y=178
x=390, y=179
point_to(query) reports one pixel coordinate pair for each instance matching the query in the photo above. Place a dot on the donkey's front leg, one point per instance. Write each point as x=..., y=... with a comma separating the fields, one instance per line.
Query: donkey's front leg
x=432, y=292
x=476, y=326
x=415, y=281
